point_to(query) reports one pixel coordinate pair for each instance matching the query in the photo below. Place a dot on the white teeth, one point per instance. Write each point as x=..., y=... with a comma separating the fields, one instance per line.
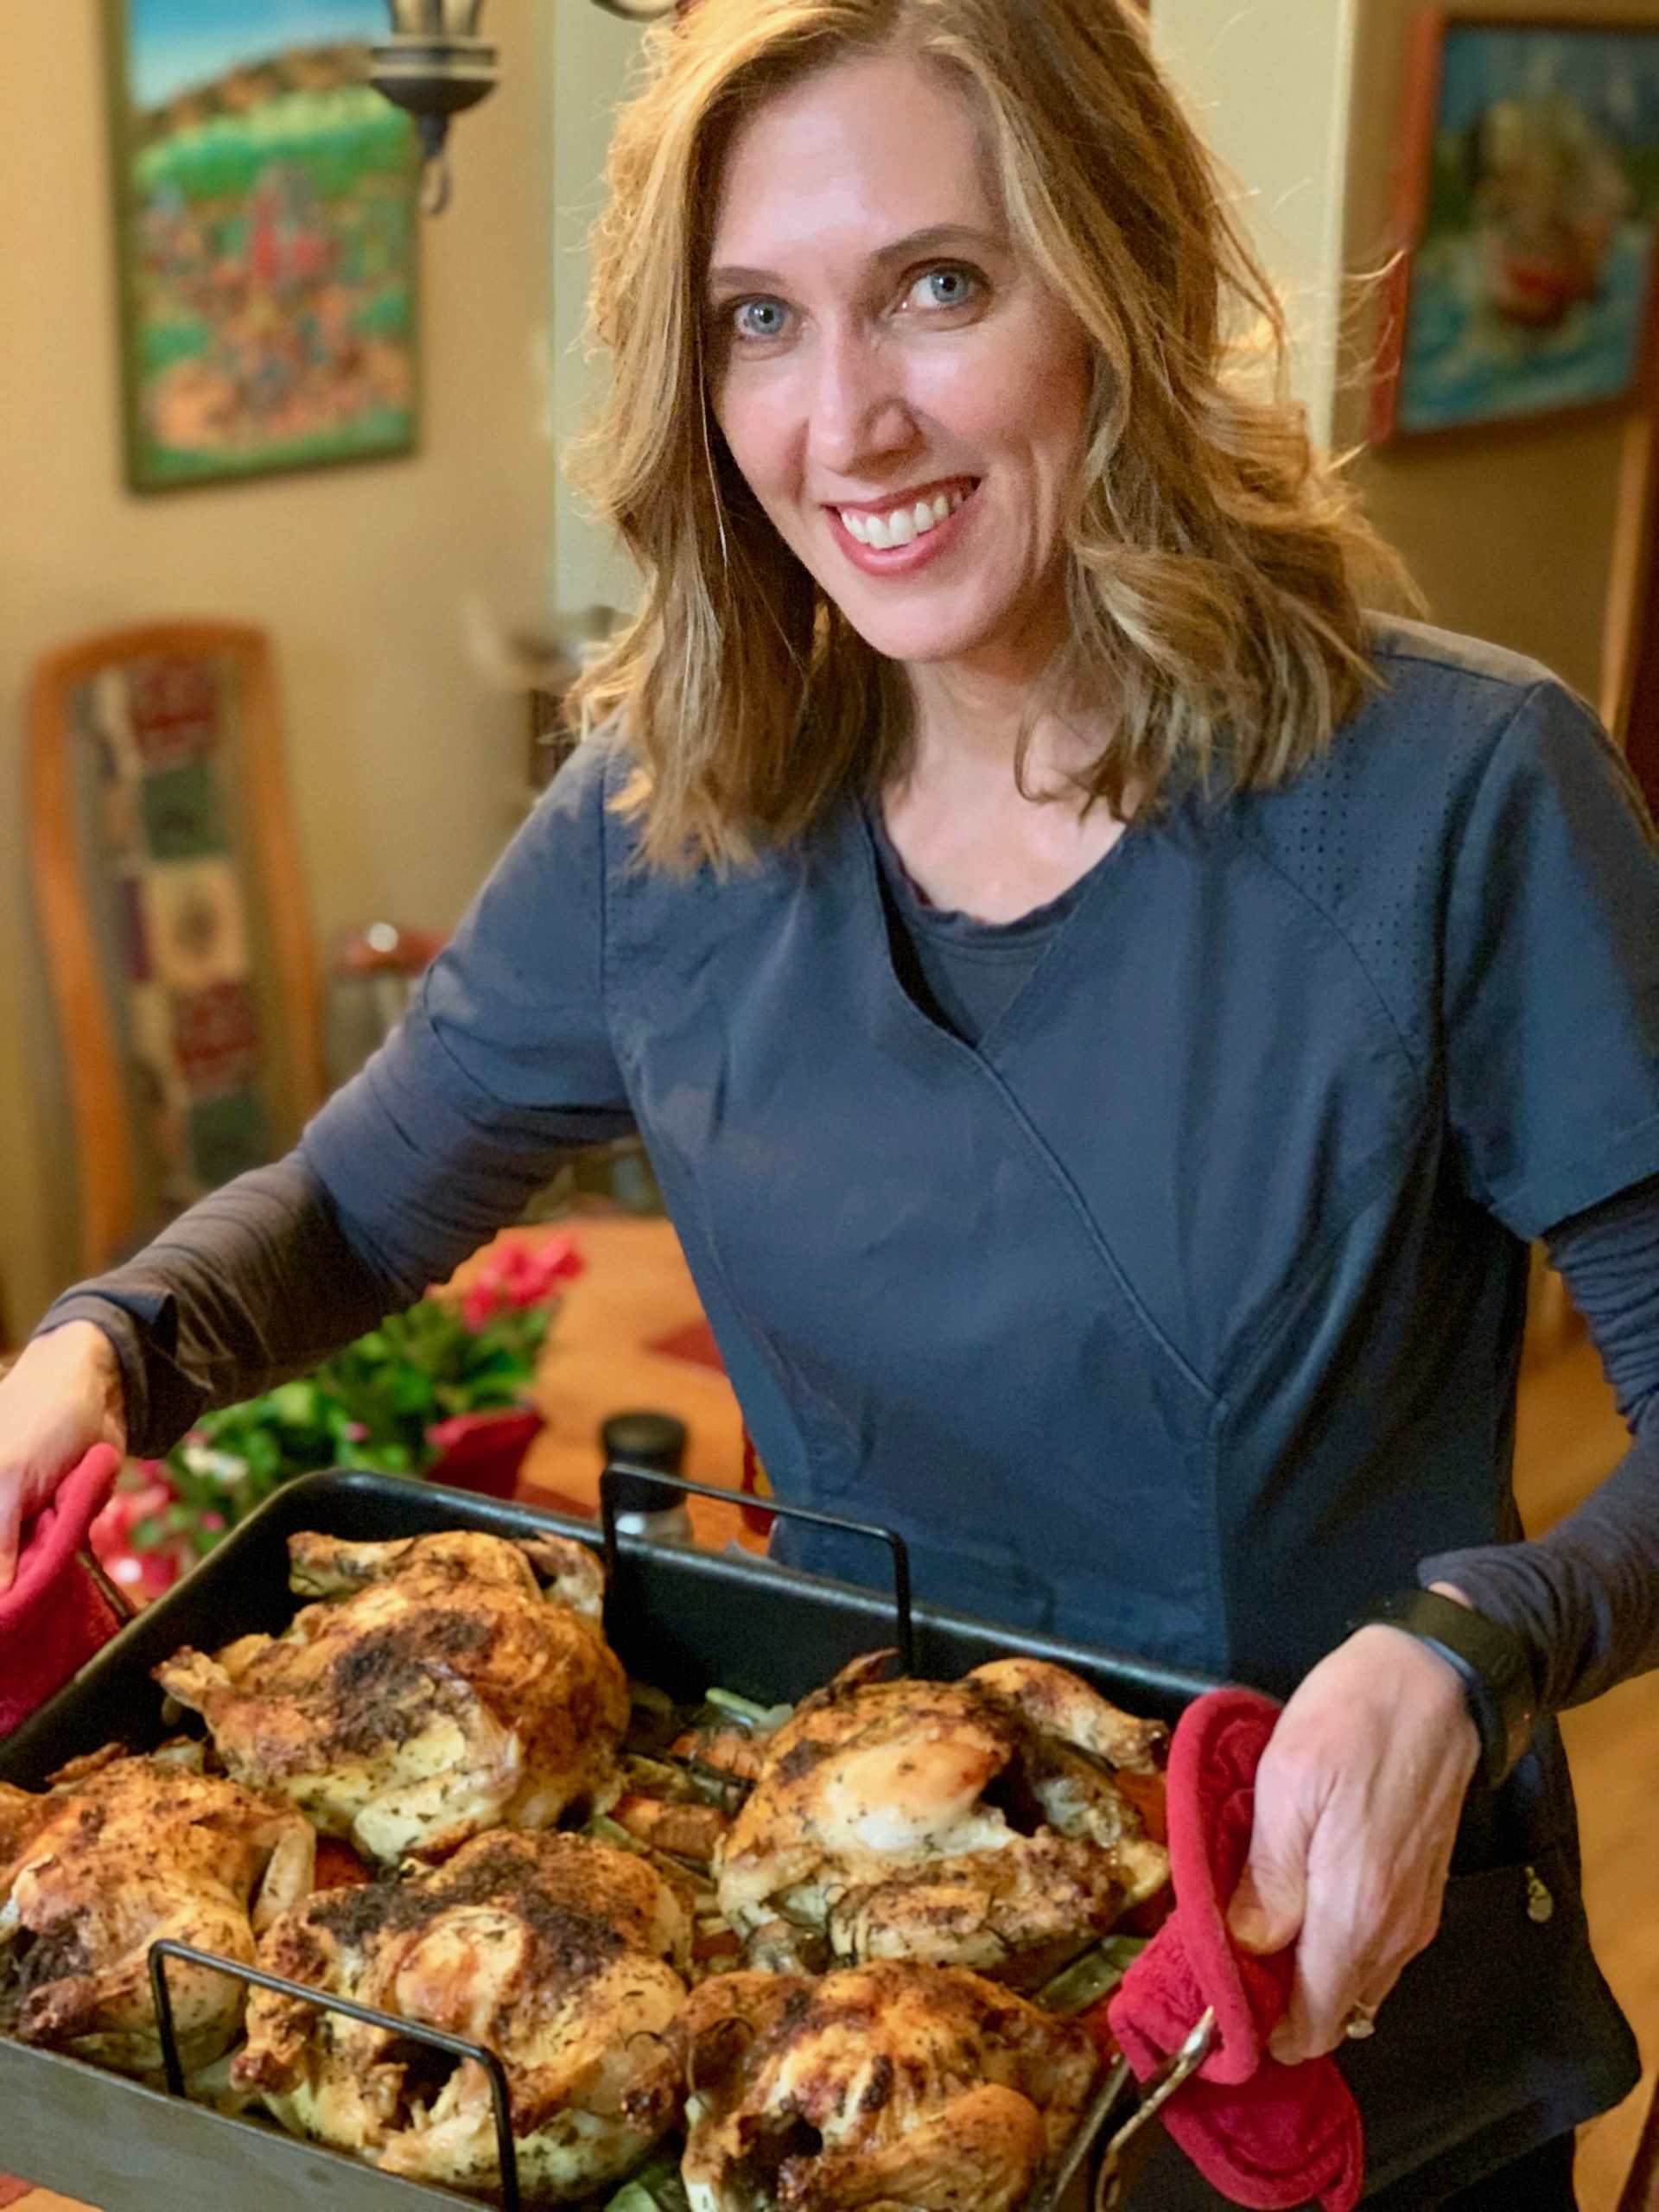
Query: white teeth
x=901, y=524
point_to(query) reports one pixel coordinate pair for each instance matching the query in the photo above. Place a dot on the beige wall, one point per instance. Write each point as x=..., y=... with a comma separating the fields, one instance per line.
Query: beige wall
x=1269, y=85
x=1510, y=532
x=403, y=762
x=594, y=54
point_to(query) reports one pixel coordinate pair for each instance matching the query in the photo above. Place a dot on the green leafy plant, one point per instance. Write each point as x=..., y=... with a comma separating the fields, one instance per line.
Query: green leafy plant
x=383, y=1402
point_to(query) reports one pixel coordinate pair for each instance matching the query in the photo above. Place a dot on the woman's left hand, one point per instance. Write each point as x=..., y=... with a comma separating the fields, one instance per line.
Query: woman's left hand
x=1356, y=1804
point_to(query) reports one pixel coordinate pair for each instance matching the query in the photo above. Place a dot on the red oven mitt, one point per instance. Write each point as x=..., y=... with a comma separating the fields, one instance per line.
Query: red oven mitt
x=1266, y=2136
x=55, y=1615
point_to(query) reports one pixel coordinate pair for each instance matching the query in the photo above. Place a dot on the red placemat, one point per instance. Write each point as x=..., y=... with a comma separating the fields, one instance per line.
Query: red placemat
x=10, y=2190
x=696, y=1342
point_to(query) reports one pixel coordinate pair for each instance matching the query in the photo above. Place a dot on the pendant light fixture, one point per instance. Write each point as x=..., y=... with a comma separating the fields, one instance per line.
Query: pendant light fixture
x=434, y=63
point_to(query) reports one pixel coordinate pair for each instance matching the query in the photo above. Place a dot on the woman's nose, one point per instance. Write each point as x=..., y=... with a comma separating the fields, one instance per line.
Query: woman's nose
x=859, y=411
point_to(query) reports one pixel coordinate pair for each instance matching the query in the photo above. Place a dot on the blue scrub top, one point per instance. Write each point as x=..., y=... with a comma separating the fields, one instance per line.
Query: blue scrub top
x=1181, y=1314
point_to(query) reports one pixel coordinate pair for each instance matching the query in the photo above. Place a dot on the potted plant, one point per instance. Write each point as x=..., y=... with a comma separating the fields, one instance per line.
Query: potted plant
x=442, y=1390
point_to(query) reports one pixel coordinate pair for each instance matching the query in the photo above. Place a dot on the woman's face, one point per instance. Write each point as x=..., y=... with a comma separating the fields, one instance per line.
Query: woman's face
x=904, y=395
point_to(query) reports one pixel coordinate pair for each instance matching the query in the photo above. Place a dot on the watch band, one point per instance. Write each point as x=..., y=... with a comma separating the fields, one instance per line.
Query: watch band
x=1492, y=1662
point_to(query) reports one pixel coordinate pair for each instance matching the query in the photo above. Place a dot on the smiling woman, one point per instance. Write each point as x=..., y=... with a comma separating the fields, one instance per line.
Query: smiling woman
x=1108, y=1006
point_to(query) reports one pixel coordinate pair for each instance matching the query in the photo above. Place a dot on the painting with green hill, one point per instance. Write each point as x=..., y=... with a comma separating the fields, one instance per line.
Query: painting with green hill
x=268, y=233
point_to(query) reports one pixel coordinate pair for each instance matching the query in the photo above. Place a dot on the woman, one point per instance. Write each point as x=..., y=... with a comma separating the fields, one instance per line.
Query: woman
x=1105, y=1012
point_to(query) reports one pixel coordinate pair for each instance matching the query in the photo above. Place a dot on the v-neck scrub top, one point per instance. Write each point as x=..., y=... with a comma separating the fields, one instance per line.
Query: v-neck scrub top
x=1179, y=1313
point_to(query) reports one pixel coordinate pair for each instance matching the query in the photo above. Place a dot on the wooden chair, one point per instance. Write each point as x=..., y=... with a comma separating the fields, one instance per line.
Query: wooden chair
x=168, y=883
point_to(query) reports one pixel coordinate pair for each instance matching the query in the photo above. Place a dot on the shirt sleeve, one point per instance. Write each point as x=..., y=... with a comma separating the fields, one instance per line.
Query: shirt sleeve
x=501, y=1069
x=1584, y=1596
x=1550, y=1002
x=253, y=1285
x=503, y=1066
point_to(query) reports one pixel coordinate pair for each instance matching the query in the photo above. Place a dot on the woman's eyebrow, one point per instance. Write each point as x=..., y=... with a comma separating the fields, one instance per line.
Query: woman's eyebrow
x=933, y=239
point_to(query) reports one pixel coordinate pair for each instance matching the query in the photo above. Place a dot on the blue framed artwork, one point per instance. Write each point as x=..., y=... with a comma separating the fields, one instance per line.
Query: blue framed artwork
x=268, y=237
x=1528, y=202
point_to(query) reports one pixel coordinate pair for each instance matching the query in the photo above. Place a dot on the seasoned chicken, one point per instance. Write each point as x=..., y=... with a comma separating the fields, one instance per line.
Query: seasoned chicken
x=974, y=1823
x=559, y=1954
x=893, y=2085
x=117, y=1853
x=436, y=1691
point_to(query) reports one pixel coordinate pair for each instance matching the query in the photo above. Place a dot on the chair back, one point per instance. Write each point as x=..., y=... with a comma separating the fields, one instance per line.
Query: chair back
x=176, y=940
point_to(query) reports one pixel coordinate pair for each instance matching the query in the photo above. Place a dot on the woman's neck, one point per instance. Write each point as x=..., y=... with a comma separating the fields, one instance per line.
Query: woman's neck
x=967, y=832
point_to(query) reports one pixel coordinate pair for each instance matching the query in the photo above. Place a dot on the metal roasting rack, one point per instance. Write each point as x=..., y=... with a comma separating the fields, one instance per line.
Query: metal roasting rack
x=620, y=1471
x=169, y=1947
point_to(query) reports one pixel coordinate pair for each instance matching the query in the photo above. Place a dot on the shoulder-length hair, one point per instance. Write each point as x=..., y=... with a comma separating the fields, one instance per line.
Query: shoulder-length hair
x=1215, y=560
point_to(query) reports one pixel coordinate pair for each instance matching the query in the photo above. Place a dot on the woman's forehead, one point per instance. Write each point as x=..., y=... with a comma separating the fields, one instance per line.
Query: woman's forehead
x=851, y=162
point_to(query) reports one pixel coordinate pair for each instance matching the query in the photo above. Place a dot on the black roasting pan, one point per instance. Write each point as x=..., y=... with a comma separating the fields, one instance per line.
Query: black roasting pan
x=678, y=1617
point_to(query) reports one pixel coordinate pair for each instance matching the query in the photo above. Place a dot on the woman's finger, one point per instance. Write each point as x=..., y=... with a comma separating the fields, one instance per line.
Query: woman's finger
x=1268, y=1906
x=1338, y=1965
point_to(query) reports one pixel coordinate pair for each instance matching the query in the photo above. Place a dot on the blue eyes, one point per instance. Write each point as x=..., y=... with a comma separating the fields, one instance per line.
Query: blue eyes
x=945, y=287
x=762, y=320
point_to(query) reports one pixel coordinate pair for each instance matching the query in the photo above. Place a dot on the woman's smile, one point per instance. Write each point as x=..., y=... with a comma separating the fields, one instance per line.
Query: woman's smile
x=896, y=536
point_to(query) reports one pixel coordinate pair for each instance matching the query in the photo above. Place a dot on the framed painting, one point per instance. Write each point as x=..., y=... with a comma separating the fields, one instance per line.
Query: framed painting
x=267, y=240
x=1528, y=213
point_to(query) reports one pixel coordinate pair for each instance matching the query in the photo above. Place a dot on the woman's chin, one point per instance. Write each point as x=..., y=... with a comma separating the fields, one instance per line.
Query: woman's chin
x=924, y=636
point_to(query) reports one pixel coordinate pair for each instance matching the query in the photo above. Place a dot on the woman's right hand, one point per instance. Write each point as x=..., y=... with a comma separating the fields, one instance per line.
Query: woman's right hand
x=63, y=1396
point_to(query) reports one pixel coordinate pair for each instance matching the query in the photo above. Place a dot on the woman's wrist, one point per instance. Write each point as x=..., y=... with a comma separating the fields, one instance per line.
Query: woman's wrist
x=1493, y=1665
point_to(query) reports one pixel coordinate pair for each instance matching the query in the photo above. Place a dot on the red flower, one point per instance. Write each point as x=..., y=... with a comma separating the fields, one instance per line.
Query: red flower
x=517, y=1273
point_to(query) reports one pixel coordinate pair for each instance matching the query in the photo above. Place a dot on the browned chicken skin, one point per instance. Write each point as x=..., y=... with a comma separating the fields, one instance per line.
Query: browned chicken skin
x=893, y=2086
x=562, y=1956
x=119, y=1852
x=972, y=1824
x=437, y=1690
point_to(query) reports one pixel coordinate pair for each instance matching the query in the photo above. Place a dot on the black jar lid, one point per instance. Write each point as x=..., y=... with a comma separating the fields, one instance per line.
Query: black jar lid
x=645, y=1439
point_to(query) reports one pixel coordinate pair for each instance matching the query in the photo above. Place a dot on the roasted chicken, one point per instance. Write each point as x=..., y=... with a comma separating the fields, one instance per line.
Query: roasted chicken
x=117, y=1853
x=434, y=1692
x=890, y=2086
x=975, y=1823
x=560, y=1956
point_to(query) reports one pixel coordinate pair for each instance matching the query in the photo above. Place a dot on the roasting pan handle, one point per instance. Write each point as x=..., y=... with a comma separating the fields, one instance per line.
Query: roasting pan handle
x=905, y=1634
x=167, y=1947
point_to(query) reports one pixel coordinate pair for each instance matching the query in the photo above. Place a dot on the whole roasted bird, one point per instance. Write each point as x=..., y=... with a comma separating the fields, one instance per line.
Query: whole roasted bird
x=560, y=1956
x=890, y=2086
x=436, y=1691
x=975, y=1823
x=117, y=1853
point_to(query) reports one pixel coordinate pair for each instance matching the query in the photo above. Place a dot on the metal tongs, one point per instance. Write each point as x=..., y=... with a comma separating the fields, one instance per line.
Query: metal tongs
x=1126, y=2107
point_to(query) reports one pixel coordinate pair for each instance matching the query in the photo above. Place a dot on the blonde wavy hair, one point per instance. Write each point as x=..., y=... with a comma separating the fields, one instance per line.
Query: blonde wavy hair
x=1217, y=563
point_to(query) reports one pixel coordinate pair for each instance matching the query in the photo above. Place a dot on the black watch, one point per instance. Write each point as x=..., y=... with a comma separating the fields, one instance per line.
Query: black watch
x=1492, y=1662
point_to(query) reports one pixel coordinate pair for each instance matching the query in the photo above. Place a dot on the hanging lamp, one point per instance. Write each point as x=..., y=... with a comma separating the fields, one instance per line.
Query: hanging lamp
x=434, y=63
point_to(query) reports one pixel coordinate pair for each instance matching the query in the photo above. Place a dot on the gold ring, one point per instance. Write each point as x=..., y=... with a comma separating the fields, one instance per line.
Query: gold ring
x=1361, y=2022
